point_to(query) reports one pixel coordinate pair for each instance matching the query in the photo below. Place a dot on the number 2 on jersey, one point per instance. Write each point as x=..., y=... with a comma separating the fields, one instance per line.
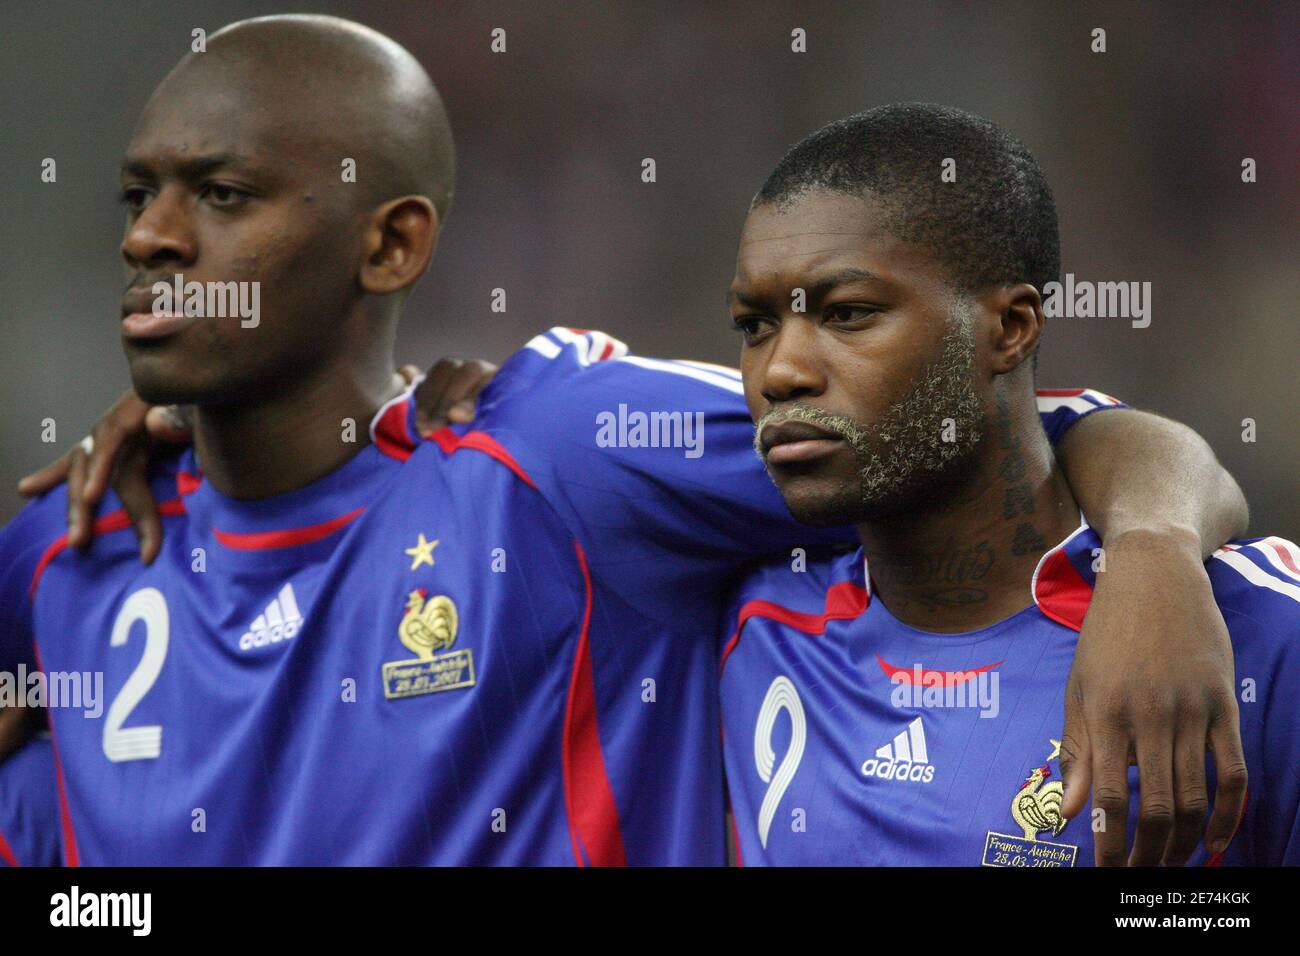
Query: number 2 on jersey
x=138, y=743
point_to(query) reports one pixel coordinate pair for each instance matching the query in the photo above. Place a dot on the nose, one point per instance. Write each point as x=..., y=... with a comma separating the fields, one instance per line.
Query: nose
x=794, y=366
x=161, y=233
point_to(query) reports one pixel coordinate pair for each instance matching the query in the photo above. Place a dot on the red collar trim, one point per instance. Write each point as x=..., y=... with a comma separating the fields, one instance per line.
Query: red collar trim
x=1061, y=590
x=268, y=540
x=846, y=599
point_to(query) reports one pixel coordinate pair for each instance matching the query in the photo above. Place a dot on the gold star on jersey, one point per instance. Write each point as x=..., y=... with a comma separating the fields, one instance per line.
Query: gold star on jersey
x=422, y=553
x=1036, y=808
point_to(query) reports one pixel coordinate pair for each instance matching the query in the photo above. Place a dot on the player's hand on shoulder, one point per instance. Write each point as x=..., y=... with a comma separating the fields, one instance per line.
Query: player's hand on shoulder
x=449, y=392
x=115, y=452
x=1152, y=686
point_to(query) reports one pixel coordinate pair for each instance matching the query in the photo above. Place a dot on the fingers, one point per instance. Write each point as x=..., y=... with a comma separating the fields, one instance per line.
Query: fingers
x=167, y=423
x=51, y=476
x=1155, y=798
x=1191, y=800
x=1110, y=795
x=105, y=447
x=409, y=373
x=450, y=392
x=430, y=397
x=465, y=389
x=1230, y=781
x=132, y=487
x=80, y=517
x=462, y=413
x=124, y=424
x=1076, y=757
x=123, y=429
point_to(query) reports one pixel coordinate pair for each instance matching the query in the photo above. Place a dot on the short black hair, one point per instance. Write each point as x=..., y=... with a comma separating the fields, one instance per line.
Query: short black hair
x=995, y=224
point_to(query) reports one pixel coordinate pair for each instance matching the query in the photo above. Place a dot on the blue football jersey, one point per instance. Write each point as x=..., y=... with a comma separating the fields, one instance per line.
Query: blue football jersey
x=854, y=739
x=29, y=825
x=495, y=644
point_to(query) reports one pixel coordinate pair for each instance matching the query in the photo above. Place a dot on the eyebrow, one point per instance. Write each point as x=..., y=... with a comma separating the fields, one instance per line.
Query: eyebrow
x=818, y=288
x=842, y=277
x=734, y=296
x=192, y=168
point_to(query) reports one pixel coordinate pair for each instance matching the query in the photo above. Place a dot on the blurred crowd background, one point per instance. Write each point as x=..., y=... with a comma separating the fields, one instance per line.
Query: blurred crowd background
x=1143, y=145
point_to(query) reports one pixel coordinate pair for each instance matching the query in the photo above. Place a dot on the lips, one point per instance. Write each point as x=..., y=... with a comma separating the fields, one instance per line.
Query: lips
x=139, y=321
x=797, y=441
x=146, y=325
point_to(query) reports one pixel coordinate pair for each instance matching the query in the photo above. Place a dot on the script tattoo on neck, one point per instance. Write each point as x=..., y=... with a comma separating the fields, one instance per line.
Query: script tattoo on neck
x=1018, y=499
x=946, y=579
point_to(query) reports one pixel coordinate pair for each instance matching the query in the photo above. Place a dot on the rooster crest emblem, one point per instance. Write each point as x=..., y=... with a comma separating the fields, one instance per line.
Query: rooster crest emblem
x=1036, y=808
x=430, y=624
x=1037, y=805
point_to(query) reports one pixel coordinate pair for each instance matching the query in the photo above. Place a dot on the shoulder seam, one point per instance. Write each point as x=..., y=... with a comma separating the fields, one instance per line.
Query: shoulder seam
x=450, y=443
x=117, y=520
x=843, y=600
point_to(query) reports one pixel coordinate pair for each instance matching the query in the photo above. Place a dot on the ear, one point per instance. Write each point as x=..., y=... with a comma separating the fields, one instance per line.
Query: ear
x=1020, y=324
x=398, y=244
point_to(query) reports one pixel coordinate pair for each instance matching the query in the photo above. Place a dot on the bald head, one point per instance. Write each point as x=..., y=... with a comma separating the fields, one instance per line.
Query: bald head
x=345, y=90
x=239, y=172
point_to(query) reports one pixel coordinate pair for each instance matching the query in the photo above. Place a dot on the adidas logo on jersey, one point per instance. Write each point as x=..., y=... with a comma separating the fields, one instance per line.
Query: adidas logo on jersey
x=905, y=758
x=279, y=622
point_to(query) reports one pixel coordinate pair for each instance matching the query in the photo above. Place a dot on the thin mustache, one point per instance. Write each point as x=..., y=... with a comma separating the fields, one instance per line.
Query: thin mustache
x=800, y=413
x=805, y=413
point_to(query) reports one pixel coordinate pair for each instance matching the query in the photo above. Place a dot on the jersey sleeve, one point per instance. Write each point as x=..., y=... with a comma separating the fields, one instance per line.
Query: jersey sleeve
x=28, y=803
x=29, y=806
x=1257, y=586
x=651, y=461
x=1059, y=408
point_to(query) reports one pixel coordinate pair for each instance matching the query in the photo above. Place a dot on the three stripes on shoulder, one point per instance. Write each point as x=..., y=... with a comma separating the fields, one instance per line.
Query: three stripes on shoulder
x=588, y=347
x=1282, y=558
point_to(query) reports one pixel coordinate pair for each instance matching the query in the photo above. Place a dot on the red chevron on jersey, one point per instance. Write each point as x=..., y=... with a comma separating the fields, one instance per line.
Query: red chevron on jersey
x=924, y=676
